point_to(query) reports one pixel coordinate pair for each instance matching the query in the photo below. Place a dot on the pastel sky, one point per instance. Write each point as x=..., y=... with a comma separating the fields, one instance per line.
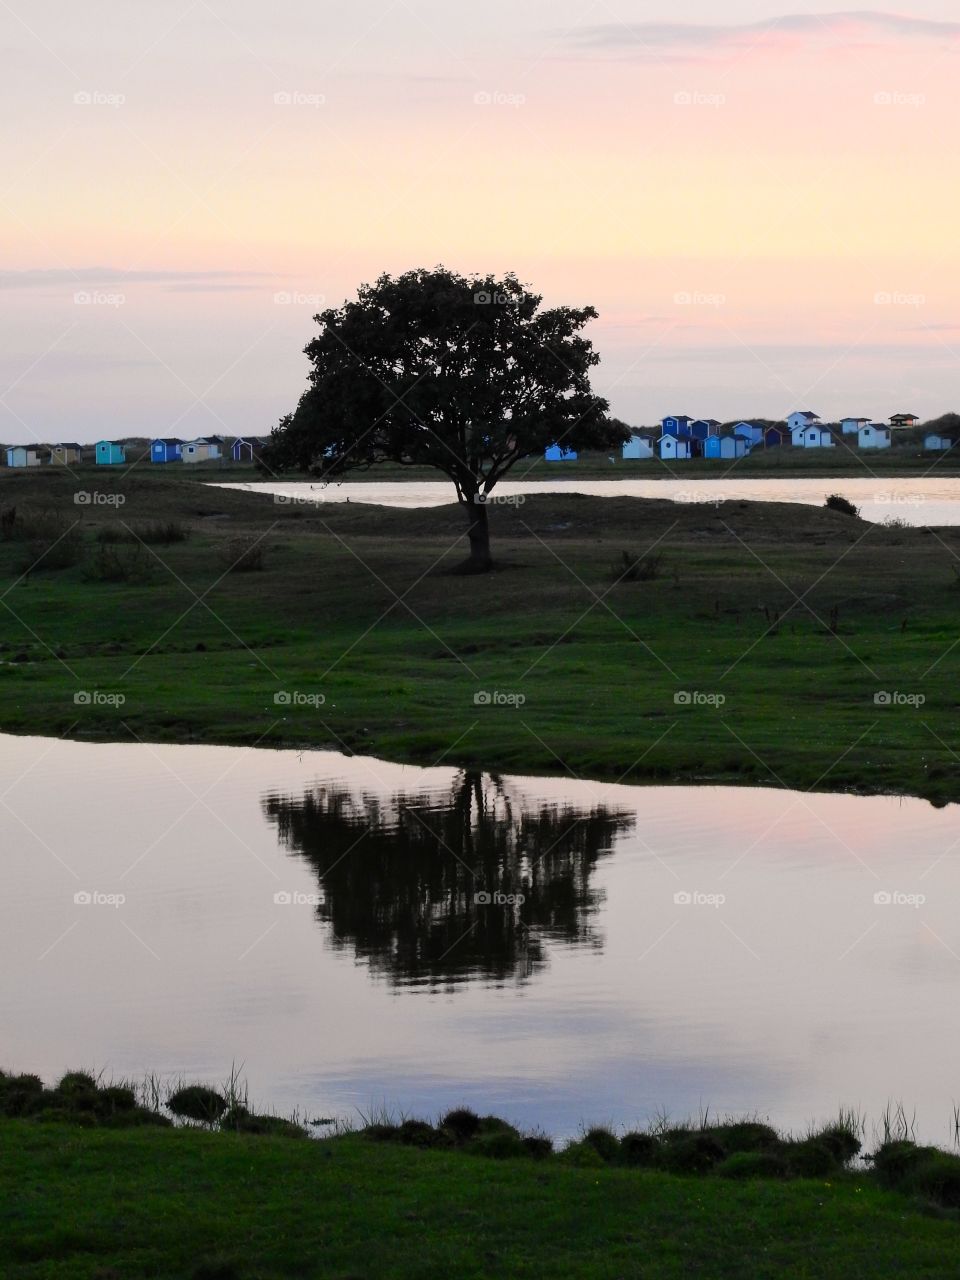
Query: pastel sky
x=758, y=197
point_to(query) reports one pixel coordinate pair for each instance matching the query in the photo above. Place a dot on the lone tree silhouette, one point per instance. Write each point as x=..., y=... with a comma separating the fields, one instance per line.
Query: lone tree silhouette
x=434, y=369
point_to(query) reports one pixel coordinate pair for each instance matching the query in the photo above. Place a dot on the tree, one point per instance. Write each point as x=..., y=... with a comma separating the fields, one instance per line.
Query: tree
x=435, y=369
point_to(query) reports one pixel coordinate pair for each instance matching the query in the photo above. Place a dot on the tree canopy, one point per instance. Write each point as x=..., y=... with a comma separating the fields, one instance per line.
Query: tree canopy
x=468, y=375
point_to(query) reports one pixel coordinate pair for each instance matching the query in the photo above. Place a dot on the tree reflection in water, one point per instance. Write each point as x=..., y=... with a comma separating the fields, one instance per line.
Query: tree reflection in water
x=403, y=880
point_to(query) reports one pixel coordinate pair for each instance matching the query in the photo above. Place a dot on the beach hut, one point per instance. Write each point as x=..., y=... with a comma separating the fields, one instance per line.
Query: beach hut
x=800, y=421
x=65, y=454
x=773, y=437
x=638, y=446
x=851, y=426
x=247, y=450
x=557, y=453
x=874, y=436
x=165, y=450
x=675, y=424
x=749, y=432
x=813, y=437
x=904, y=420
x=195, y=451
x=675, y=448
x=703, y=428
x=727, y=445
x=23, y=455
x=109, y=454
x=938, y=443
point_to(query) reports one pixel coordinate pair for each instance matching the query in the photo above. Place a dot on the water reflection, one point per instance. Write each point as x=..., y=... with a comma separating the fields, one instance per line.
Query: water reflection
x=437, y=888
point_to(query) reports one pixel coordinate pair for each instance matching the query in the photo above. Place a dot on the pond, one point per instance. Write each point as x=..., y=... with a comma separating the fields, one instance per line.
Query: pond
x=924, y=500
x=357, y=933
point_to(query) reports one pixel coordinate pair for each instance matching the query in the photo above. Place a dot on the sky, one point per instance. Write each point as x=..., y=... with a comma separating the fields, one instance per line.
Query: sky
x=758, y=197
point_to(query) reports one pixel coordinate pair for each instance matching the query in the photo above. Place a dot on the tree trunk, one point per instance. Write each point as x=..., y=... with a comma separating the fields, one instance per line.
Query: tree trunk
x=478, y=532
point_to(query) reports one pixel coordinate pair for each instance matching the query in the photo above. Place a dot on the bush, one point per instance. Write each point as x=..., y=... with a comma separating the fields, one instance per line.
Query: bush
x=197, y=1102
x=810, y=1158
x=499, y=1146
x=836, y=502
x=111, y=564
x=238, y=557
x=637, y=568
x=641, y=1149
x=461, y=1122
x=605, y=1143
x=692, y=1152
x=537, y=1146
x=582, y=1156
x=240, y=1120
x=841, y=1141
x=160, y=533
x=753, y=1164
x=747, y=1136
x=417, y=1133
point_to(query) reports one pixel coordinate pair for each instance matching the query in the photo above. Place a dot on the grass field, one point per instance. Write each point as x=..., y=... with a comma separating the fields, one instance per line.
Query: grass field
x=82, y=1204
x=754, y=651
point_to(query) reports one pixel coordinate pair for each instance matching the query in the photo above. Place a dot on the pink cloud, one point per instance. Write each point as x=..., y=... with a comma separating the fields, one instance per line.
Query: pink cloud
x=789, y=33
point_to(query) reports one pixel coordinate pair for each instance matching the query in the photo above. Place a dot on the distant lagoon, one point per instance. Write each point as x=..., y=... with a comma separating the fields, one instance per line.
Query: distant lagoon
x=924, y=500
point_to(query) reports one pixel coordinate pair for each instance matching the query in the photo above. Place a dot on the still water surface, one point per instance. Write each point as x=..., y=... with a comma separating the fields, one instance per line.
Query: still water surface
x=315, y=918
x=925, y=500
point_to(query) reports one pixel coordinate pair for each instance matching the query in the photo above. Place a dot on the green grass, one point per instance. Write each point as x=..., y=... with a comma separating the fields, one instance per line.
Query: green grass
x=80, y=1204
x=356, y=605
